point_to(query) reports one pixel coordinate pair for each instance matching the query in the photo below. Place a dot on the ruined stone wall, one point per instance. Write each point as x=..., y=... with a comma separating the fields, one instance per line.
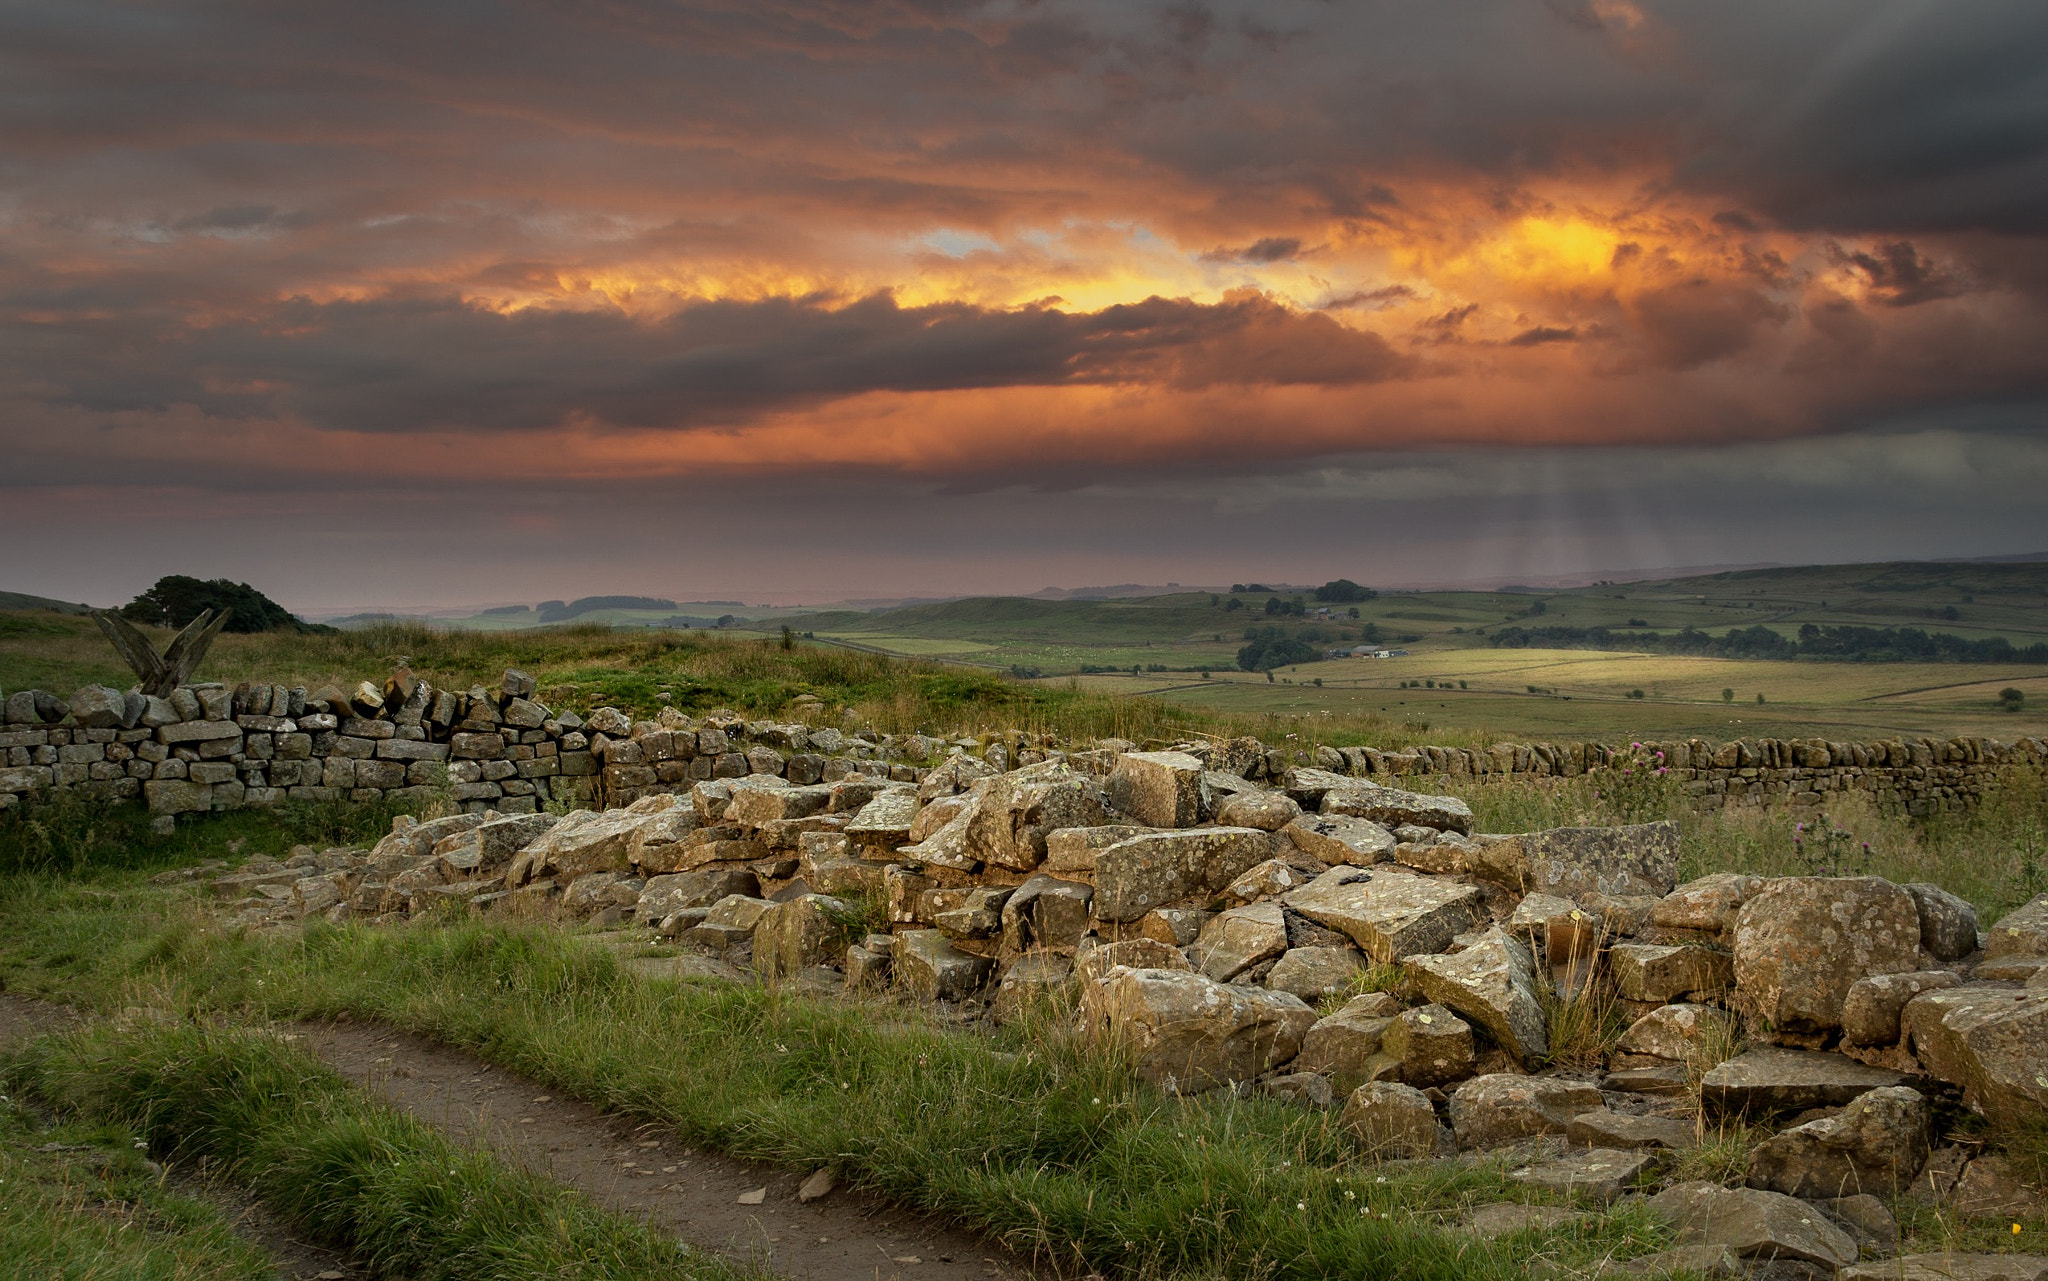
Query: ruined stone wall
x=210, y=747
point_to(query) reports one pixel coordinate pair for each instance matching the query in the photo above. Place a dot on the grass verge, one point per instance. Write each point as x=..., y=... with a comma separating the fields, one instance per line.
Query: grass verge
x=346, y=1171
x=81, y=1203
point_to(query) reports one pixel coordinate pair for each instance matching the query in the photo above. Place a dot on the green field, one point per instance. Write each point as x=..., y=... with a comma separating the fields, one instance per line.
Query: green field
x=1576, y=692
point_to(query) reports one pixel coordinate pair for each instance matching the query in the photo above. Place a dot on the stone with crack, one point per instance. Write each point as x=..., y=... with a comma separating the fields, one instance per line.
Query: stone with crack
x=1491, y=982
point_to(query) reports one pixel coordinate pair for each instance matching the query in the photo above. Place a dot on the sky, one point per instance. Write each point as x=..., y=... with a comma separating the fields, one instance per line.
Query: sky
x=441, y=303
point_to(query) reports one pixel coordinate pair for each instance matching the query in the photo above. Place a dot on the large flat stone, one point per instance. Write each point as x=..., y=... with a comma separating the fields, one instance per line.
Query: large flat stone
x=1391, y=807
x=1574, y=862
x=1601, y=1173
x=885, y=821
x=1336, y=838
x=1387, y=913
x=1947, y=1266
x=1234, y=941
x=1132, y=877
x=1753, y=1224
x=1503, y=1107
x=1773, y=1079
x=1877, y=1144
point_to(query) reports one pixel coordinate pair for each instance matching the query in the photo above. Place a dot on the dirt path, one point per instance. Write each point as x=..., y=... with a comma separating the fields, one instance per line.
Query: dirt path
x=628, y=1167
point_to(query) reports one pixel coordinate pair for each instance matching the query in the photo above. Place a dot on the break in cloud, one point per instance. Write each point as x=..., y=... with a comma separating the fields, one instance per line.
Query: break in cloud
x=305, y=250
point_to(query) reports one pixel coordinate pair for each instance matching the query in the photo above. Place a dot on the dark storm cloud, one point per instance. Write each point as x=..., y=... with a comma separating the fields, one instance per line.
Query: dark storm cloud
x=414, y=364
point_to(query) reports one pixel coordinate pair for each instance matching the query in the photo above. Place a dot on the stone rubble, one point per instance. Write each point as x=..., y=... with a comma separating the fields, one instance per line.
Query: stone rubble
x=1316, y=936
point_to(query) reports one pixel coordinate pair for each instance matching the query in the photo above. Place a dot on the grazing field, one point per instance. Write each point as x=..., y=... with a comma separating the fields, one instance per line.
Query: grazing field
x=1587, y=694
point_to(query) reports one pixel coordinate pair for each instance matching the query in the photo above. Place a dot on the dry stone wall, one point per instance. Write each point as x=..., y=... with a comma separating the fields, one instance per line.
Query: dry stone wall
x=210, y=747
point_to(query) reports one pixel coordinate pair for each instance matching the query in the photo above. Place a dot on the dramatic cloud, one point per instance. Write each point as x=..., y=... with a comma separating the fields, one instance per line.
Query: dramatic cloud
x=972, y=245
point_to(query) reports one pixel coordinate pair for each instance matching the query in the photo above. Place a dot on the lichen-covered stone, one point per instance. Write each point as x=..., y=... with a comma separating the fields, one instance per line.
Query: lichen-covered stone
x=1871, y=1011
x=1391, y=1120
x=1990, y=1042
x=1876, y=1144
x=1132, y=877
x=1653, y=972
x=1389, y=914
x=1158, y=789
x=1801, y=942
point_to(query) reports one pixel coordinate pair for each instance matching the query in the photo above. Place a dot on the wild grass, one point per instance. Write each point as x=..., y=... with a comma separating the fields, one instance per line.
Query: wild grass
x=1038, y=1139
x=75, y=834
x=82, y=1203
x=349, y=1173
x=1995, y=855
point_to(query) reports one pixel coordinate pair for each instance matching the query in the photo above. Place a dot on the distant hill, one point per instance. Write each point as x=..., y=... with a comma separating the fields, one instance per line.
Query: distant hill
x=22, y=600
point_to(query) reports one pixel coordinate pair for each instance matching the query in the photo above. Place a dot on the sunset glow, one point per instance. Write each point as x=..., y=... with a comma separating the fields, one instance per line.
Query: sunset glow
x=970, y=248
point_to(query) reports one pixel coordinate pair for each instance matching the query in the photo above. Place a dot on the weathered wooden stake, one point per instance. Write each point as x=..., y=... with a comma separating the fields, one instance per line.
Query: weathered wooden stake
x=160, y=674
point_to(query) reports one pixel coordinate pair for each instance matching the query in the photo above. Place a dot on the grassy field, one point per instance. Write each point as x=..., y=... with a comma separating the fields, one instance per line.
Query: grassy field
x=1583, y=694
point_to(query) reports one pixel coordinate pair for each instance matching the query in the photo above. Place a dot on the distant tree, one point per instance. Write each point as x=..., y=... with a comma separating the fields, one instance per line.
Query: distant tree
x=1340, y=590
x=1727, y=695
x=176, y=600
x=1353, y=611
x=1319, y=682
x=1759, y=698
x=1635, y=693
x=2012, y=699
x=1464, y=685
x=1235, y=603
x=1951, y=613
x=1214, y=599
x=1266, y=652
x=788, y=637
x=1274, y=605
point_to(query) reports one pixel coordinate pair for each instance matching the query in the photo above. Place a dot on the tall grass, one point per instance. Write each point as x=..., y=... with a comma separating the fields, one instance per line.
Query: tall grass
x=1994, y=854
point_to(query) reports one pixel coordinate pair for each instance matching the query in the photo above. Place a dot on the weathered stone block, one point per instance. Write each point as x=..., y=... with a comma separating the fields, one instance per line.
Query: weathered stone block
x=1188, y=1033
x=1158, y=789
